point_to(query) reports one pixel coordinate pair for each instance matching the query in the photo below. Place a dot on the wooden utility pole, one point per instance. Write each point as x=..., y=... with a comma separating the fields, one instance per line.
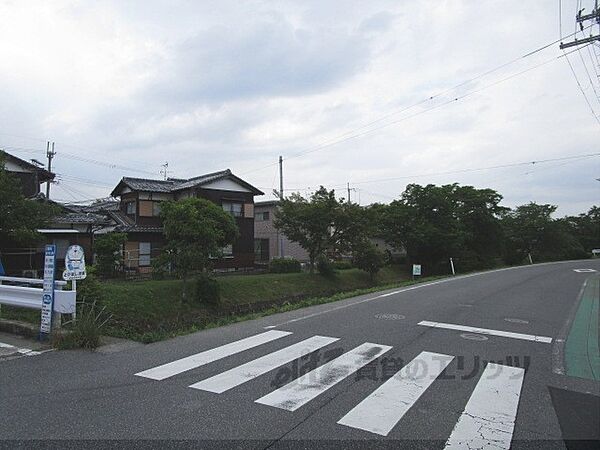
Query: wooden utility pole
x=580, y=18
x=50, y=155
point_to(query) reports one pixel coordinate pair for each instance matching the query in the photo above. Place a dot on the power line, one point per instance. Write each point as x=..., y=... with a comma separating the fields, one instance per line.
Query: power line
x=581, y=89
x=347, y=138
x=473, y=169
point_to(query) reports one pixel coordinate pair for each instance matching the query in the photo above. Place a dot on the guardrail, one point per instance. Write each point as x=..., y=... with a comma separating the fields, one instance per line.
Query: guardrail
x=31, y=297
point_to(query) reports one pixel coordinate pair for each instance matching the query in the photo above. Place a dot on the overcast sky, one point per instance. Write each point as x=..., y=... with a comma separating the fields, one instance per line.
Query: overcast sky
x=208, y=85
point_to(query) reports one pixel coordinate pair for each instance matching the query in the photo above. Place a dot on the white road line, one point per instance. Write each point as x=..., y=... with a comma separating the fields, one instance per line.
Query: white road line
x=507, y=334
x=489, y=418
x=246, y=372
x=383, y=409
x=305, y=388
x=419, y=286
x=208, y=356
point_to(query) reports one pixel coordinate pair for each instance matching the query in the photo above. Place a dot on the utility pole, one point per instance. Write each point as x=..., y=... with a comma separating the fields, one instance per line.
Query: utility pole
x=580, y=18
x=164, y=170
x=279, y=236
x=348, y=192
x=49, y=154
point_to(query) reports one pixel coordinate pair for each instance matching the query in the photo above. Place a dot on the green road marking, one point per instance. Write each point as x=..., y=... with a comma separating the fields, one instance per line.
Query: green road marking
x=582, y=352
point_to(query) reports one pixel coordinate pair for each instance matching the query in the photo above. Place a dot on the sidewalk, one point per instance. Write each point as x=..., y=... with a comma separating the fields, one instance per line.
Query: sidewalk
x=12, y=346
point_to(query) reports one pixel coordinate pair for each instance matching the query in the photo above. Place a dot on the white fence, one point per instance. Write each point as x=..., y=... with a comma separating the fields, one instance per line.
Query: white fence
x=31, y=297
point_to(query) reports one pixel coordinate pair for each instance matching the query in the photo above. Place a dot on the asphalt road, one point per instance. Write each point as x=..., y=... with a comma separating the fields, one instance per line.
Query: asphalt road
x=365, y=374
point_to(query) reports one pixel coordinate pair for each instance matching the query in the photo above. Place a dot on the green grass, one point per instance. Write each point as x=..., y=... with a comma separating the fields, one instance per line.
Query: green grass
x=148, y=311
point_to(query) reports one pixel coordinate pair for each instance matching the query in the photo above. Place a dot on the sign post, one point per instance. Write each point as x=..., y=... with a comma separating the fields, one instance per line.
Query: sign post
x=416, y=270
x=452, y=267
x=74, y=266
x=48, y=292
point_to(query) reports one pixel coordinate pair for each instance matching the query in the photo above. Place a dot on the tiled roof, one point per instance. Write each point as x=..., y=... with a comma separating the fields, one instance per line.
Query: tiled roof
x=43, y=174
x=176, y=184
x=202, y=179
x=143, y=184
x=81, y=217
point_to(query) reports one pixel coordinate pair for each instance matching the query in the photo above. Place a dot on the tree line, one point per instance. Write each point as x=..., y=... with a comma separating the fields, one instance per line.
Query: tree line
x=435, y=223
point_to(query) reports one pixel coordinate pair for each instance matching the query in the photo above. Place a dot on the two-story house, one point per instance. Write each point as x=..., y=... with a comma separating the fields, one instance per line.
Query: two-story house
x=269, y=243
x=29, y=174
x=139, y=211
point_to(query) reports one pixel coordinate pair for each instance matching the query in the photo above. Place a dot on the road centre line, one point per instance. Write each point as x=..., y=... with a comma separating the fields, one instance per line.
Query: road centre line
x=208, y=356
x=507, y=334
x=410, y=288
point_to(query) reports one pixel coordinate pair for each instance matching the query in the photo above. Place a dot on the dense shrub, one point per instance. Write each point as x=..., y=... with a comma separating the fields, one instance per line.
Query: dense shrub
x=285, y=265
x=325, y=267
x=342, y=265
x=207, y=290
x=370, y=259
x=108, y=248
x=89, y=290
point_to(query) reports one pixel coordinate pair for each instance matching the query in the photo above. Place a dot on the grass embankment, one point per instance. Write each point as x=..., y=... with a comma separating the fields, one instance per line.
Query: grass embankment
x=148, y=311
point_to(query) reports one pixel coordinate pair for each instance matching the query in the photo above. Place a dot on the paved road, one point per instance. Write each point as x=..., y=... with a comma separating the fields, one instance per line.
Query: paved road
x=474, y=360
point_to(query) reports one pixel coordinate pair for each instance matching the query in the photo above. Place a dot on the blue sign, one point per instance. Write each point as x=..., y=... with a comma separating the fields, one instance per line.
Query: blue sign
x=2, y=272
x=48, y=291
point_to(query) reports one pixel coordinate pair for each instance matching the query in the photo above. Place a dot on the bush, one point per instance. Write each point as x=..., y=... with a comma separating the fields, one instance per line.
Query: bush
x=370, y=259
x=325, y=267
x=109, y=257
x=86, y=331
x=89, y=290
x=342, y=265
x=285, y=265
x=207, y=290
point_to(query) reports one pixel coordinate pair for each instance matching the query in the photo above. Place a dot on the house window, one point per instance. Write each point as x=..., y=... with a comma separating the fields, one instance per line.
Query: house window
x=228, y=251
x=235, y=209
x=156, y=209
x=145, y=250
x=261, y=249
x=262, y=216
x=130, y=208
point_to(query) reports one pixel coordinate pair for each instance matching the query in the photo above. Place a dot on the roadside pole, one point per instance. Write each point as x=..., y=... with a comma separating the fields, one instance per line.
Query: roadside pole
x=48, y=292
x=452, y=266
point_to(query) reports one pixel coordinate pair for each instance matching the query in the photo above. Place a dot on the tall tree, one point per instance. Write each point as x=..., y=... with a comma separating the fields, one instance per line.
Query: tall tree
x=321, y=223
x=196, y=230
x=434, y=223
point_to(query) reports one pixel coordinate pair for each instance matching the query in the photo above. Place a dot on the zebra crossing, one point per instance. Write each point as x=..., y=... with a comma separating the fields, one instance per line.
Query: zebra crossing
x=487, y=420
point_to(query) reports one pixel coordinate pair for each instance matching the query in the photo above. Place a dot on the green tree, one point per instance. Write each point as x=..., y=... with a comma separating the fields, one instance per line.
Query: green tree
x=196, y=230
x=109, y=255
x=321, y=223
x=434, y=223
x=369, y=258
x=531, y=229
x=20, y=217
x=586, y=229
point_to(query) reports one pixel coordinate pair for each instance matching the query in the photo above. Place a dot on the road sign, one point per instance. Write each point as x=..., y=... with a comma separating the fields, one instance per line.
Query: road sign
x=48, y=291
x=416, y=270
x=74, y=263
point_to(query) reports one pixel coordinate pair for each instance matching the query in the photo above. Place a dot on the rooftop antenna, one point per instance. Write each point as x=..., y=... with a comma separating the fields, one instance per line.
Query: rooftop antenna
x=164, y=171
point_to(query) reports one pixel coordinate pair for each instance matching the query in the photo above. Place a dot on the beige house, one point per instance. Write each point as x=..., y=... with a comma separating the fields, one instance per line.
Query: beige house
x=268, y=241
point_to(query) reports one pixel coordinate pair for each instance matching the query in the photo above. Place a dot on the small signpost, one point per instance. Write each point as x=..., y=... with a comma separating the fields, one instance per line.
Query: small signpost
x=74, y=266
x=48, y=291
x=416, y=270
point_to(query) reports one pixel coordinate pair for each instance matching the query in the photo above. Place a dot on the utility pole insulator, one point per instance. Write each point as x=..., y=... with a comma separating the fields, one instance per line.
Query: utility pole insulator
x=577, y=42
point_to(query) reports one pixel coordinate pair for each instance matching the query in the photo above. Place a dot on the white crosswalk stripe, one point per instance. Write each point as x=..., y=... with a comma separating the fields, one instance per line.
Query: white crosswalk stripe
x=383, y=409
x=305, y=388
x=489, y=418
x=208, y=356
x=246, y=372
x=487, y=421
